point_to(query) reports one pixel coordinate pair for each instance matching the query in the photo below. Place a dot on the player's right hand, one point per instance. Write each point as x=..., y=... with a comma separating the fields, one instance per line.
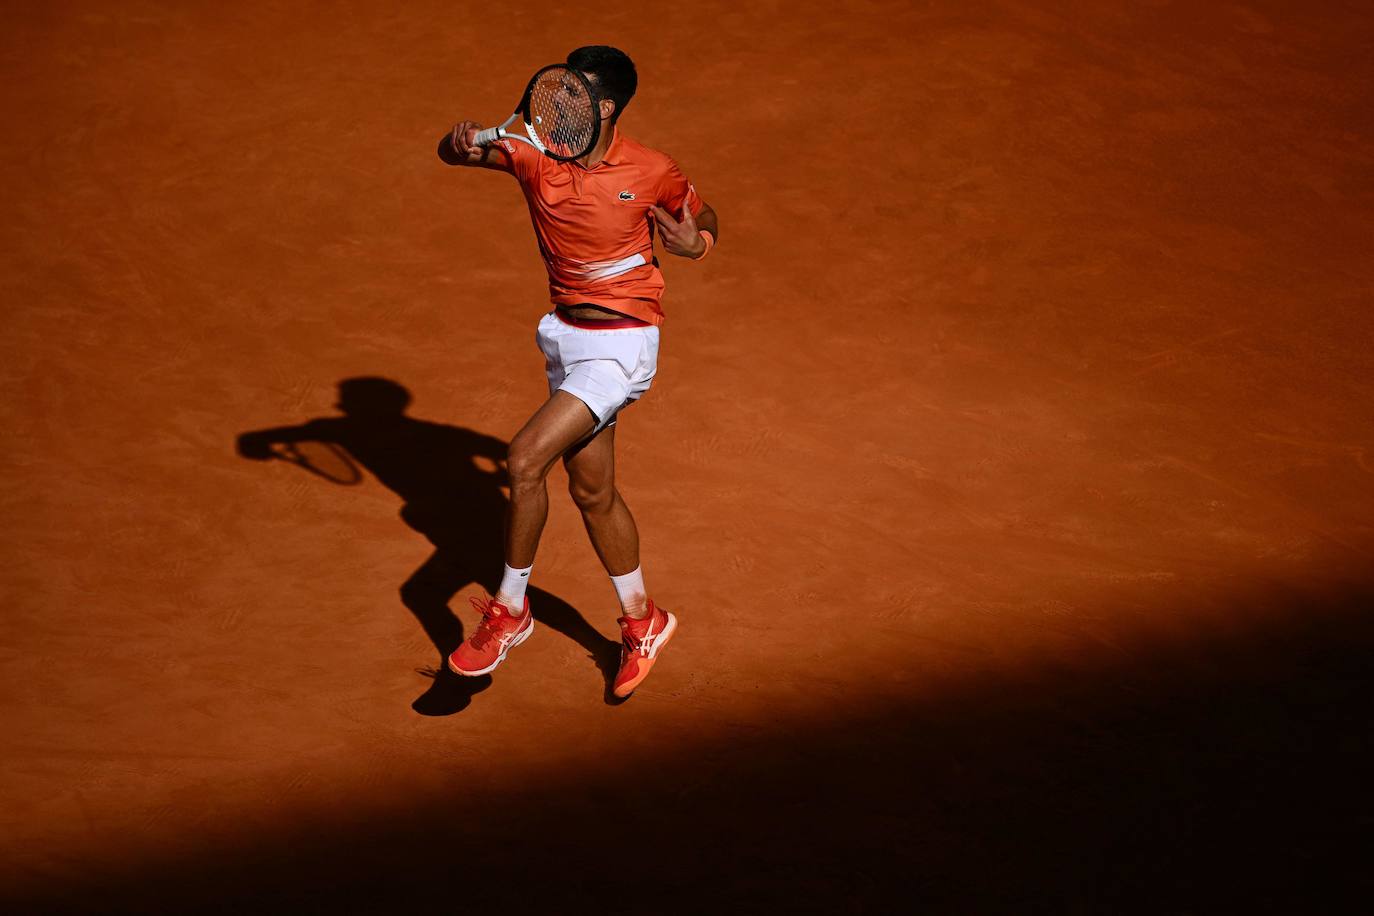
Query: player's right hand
x=463, y=132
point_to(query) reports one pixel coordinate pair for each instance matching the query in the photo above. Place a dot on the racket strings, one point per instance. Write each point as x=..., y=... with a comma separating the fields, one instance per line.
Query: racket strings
x=562, y=114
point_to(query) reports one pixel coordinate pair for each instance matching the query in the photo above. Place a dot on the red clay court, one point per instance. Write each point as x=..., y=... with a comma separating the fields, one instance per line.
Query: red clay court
x=1009, y=467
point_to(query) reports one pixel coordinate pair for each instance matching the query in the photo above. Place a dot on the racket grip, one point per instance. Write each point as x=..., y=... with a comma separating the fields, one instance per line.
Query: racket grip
x=487, y=137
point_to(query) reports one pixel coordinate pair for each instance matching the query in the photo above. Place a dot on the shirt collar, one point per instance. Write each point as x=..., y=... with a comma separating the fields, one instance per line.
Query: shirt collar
x=616, y=150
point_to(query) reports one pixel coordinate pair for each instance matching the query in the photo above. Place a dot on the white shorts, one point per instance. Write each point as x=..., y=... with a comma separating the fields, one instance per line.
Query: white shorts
x=605, y=369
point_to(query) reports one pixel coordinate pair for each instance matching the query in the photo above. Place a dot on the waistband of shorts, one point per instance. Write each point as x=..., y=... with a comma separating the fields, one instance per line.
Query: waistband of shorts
x=599, y=324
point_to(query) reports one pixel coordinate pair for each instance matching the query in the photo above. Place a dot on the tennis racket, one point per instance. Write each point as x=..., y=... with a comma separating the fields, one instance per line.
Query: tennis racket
x=561, y=115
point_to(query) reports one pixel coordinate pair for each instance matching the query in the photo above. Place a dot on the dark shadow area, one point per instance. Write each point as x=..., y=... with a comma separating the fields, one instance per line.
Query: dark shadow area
x=450, y=480
x=1229, y=774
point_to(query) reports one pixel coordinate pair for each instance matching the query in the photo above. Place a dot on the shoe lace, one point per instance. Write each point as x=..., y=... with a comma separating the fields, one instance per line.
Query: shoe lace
x=631, y=642
x=488, y=628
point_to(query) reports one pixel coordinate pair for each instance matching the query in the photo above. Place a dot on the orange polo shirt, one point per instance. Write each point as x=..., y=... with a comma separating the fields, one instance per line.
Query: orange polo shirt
x=594, y=227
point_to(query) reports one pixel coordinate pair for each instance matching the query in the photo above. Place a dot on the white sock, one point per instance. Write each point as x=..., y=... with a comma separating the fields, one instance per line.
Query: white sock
x=629, y=588
x=512, y=590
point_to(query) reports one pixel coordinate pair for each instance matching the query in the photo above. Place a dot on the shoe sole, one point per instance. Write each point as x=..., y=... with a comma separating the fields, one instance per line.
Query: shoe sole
x=519, y=638
x=626, y=689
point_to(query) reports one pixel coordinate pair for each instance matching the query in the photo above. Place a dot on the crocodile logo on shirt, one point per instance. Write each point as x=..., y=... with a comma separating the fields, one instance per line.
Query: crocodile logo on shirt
x=626, y=195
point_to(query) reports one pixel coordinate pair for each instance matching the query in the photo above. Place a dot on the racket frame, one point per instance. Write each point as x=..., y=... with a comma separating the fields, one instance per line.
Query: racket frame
x=490, y=135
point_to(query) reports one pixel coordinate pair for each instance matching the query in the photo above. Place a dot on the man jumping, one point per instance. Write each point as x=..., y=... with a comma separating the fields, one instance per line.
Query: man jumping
x=595, y=219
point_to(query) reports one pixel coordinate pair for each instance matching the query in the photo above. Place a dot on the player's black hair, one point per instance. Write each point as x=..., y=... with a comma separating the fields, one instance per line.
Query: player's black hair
x=611, y=72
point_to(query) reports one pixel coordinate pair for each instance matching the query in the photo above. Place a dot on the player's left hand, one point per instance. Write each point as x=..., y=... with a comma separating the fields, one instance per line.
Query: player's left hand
x=680, y=238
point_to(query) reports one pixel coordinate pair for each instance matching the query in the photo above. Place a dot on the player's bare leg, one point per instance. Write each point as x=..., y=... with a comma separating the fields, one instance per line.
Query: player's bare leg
x=506, y=623
x=557, y=426
x=644, y=629
x=611, y=527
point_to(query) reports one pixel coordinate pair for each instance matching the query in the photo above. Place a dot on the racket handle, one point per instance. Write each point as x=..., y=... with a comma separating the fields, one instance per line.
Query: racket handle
x=487, y=137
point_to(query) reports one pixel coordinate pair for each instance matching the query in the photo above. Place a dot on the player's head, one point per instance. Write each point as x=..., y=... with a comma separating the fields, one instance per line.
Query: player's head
x=612, y=75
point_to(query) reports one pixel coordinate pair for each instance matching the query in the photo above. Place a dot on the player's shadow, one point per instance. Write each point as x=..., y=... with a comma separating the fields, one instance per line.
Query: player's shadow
x=451, y=481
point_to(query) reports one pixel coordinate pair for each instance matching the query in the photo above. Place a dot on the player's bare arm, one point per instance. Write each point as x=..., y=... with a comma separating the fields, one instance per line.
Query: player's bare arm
x=457, y=148
x=683, y=238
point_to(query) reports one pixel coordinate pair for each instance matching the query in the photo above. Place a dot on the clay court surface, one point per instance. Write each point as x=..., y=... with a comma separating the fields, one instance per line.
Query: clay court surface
x=1009, y=467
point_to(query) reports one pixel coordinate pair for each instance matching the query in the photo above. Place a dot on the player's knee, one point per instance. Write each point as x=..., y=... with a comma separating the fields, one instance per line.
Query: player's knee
x=591, y=497
x=524, y=467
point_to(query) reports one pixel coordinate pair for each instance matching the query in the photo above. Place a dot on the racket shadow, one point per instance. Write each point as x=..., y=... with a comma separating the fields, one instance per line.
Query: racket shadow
x=452, y=483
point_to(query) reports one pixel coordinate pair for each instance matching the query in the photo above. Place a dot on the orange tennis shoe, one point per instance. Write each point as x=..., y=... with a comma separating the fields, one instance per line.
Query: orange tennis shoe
x=496, y=635
x=640, y=643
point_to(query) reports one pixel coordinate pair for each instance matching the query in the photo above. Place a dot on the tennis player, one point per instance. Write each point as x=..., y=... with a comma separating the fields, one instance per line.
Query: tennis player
x=595, y=219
